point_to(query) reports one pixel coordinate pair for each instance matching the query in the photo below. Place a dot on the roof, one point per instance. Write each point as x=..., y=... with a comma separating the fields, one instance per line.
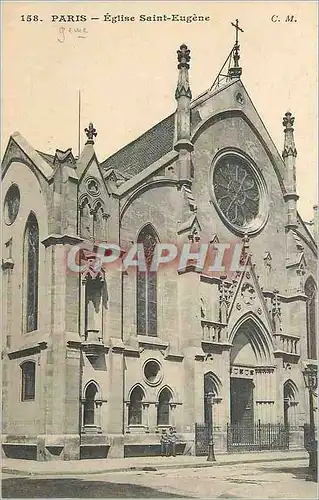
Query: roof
x=145, y=150
x=152, y=145
x=47, y=157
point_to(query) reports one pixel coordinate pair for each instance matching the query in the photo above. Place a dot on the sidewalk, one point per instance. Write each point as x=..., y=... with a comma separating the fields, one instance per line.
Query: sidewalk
x=108, y=465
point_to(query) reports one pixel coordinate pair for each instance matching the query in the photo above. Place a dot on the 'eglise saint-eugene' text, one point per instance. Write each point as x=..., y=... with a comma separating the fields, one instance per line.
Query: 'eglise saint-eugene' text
x=121, y=18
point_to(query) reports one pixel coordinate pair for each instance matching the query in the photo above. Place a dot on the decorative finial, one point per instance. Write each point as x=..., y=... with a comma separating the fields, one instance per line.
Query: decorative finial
x=90, y=133
x=183, y=57
x=183, y=88
x=235, y=71
x=289, y=144
x=288, y=121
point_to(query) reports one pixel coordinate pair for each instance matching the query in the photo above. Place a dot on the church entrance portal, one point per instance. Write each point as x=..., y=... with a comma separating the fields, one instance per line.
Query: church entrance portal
x=252, y=394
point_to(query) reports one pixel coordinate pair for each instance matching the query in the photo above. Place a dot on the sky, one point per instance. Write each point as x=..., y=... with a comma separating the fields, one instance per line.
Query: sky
x=127, y=71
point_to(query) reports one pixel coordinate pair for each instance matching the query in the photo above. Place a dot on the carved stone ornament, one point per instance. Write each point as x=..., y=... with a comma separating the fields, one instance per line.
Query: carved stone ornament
x=240, y=98
x=93, y=268
x=90, y=132
x=267, y=260
x=248, y=293
x=276, y=312
x=93, y=186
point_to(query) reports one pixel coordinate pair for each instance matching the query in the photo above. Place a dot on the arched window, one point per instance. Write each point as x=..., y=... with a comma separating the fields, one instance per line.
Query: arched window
x=89, y=404
x=311, y=292
x=28, y=381
x=31, y=264
x=135, y=407
x=163, y=409
x=147, y=286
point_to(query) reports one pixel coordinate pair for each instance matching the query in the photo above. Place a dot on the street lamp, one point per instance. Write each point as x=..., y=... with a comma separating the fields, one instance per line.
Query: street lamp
x=311, y=382
x=211, y=453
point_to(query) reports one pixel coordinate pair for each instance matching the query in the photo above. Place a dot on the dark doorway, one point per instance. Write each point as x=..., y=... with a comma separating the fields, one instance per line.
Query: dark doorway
x=241, y=401
x=241, y=411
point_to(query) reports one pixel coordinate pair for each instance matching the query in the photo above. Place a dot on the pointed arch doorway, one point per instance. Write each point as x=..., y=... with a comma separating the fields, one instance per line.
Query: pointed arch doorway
x=251, y=381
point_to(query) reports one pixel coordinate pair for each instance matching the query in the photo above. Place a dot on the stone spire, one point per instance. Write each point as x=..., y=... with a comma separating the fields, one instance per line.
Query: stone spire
x=289, y=155
x=183, y=96
x=234, y=70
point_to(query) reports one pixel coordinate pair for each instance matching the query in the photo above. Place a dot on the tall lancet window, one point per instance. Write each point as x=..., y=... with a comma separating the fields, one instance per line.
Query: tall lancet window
x=311, y=292
x=31, y=270
x=147, y=286
x=163, y=409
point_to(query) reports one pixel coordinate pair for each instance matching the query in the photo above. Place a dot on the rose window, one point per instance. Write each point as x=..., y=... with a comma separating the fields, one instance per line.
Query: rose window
x=237, y=191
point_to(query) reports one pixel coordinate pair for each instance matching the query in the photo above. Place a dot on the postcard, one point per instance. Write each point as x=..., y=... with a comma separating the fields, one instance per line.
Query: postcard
x=159, y=249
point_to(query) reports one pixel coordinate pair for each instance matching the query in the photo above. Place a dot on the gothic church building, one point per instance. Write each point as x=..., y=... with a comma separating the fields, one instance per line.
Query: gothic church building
x=97, y=363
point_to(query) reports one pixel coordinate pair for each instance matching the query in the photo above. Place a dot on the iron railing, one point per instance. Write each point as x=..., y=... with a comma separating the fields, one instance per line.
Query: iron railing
x=201, y=439
x=257, y=437
x=202, y=432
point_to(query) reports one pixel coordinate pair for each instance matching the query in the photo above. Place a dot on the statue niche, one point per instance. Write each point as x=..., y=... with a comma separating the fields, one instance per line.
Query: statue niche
x=94, y=297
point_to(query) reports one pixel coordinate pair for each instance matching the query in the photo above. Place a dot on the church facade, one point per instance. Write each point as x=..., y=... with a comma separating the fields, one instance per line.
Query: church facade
x=98, y=362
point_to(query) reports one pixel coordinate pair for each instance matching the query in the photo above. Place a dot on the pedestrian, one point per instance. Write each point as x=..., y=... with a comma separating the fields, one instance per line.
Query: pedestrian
x=164, y=443
x=172, y=442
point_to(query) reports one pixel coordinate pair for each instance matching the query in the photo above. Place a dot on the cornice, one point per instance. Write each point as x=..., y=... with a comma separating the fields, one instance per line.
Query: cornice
x=61, y=239
x=27, y=350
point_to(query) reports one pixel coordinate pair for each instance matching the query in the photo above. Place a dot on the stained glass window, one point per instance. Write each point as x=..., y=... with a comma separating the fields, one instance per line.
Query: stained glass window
x=31, y=273
x=163, y=407
x=236, y=190
x=135, y=407
x=28, y=381
x=311, y=292
x=147, y=287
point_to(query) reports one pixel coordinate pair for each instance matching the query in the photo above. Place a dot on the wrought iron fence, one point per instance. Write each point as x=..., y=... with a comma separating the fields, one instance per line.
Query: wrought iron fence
x=257, y=437
x=201, y=439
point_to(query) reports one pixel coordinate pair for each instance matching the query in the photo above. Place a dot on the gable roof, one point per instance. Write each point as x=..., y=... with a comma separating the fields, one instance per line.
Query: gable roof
x=47, y=157
x=145, y=150
x=18, y=149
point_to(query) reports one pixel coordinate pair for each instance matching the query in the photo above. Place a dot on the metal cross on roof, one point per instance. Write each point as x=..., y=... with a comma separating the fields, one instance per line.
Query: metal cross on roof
x=236, y=26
